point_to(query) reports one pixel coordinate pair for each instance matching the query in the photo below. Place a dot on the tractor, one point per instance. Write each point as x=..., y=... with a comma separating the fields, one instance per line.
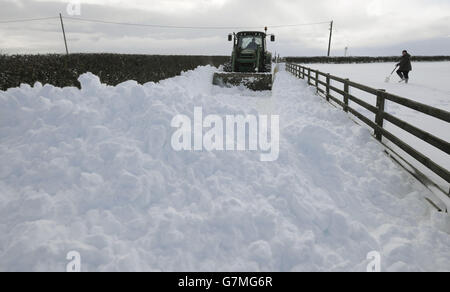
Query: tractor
x=250, y=64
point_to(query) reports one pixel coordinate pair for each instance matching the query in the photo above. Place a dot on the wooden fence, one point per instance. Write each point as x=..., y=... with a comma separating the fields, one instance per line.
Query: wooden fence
x=324, y=87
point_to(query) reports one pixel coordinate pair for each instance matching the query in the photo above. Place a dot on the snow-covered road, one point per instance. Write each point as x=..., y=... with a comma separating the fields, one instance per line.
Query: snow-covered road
x=93, y=171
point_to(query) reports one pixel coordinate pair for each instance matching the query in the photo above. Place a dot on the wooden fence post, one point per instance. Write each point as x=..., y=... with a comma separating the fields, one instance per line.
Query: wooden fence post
x=309, y=76
x=328, y=87
x=346, y=91
x=317, y=81
x=381, y=100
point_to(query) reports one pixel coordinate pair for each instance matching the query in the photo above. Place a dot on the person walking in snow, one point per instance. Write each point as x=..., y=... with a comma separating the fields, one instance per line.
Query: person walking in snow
x=404, y=66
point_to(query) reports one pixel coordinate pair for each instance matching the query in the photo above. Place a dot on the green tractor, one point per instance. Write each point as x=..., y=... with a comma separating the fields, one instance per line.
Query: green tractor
x=250, y=64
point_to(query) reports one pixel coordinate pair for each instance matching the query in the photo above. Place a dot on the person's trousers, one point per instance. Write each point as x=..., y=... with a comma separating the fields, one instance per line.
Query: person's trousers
x=403, y=74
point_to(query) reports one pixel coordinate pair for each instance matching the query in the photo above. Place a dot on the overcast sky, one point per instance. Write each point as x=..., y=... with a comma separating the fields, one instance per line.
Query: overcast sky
x=372, y=27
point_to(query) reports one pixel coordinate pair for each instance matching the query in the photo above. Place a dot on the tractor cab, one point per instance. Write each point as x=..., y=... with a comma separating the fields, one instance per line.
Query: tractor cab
x=250, y=52
x=250, y=63
x=250, y=42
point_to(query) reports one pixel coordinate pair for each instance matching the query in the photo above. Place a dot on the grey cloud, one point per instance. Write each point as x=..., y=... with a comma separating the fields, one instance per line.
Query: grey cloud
x=380, y=30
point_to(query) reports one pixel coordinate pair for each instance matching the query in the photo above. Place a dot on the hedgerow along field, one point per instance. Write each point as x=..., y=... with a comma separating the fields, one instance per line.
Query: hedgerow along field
x=64, y=70
x=361, y=59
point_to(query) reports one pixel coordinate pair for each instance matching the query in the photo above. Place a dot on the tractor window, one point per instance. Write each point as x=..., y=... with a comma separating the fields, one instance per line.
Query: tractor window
x=250, y=42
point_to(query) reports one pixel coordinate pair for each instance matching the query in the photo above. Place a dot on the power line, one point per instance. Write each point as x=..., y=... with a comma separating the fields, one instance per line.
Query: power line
x=27, y=20
x=297, y=25
x=159, y=25
x=162, y=26
x=189, y=27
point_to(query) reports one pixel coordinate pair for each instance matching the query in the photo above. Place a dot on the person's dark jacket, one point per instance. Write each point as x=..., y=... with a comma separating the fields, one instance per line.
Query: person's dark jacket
x=405, y=63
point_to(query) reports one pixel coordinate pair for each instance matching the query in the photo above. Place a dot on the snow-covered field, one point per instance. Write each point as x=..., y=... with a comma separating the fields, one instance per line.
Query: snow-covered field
x=429, y=84
x=93, y=171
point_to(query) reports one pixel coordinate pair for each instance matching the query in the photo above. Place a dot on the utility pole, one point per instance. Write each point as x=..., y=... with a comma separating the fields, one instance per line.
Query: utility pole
x=64, y=33
x=331, y=34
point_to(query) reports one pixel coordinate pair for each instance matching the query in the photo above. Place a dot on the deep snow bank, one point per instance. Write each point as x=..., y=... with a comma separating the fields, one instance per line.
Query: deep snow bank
x=93, y=171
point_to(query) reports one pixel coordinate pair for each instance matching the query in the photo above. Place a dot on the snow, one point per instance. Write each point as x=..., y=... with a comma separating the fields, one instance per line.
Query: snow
x=93, y=171
x=428, y=84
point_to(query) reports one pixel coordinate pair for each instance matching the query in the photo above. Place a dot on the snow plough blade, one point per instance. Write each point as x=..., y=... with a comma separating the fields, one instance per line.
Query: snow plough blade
x=253, y=81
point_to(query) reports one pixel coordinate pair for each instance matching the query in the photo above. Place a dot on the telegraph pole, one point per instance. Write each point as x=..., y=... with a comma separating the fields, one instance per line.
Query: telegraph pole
x=64, y=33
x=331, y=34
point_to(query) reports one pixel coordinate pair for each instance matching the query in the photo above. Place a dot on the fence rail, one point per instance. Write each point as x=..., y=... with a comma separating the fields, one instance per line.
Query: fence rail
x=313, y=78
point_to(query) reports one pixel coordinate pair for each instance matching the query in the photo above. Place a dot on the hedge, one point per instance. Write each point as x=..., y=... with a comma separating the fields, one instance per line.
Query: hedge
x=349, y=60
x=63, y=70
